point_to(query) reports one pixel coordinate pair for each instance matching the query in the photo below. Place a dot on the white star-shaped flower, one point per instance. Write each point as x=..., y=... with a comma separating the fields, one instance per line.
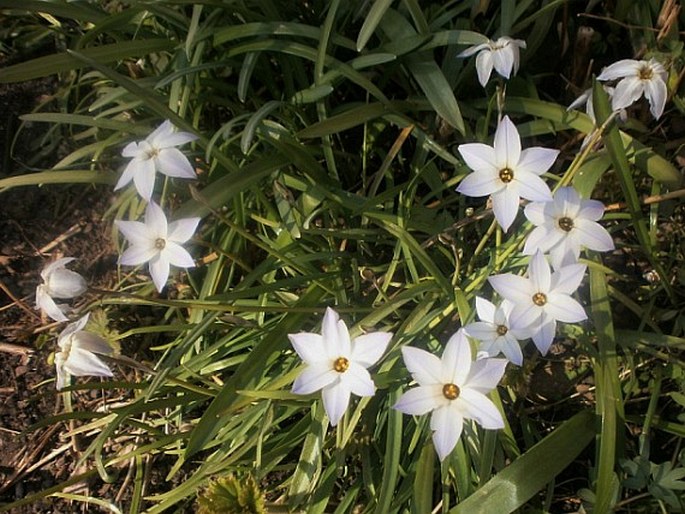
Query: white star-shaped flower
x=336, y=364
x=58, y=282
x=157, y=242
x=506, y=172
x=496, y=332
x=453, y=388
x=156, y=152
x=503, y=55
x=77, y=355
x=638, y=78
x=543, y=298
x=565, y=225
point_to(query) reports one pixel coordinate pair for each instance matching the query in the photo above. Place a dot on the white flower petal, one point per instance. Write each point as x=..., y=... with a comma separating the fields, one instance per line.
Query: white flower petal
x=472, y=50
x=507, y=144
x=424, y=367
x=485, y=374
x=90, y=342
x=55, y=265
x=329, y=332
x=159, y=271
x=180, y=231
x=309, y=347
x=542, y=239
x=656, y=93
x=627, y=91
x=160, y=133
x=83, y=363
x=539, y=273
x=564, y=308
x=485, y=309
x=512, y=350
x=544, y=333
x=175, y=139
x=358, y=380
x=421, y=400
x=48, y=306
x=131, y=150
x=593, y=236
x=479, y=157
x=156, y=221
x=568, y=278
x=138, y=254
x=367, y=349
x=313, y=378
x=503, y=60
x=531, y=187
x=592, y=210
x=336, y=398
x=172, y=163
x=620, y=69
x=480, y=183
x=447, y=424
x=177, y=255
x=512, y=287
x=566, y=251
x=144, y=178
x=64, y=283
x=481, y=330
x=535, y=212
x=484, y=64
x=505, y=205
x=456, y=359
x=475, y=405
x=129, y=172
x=136, y=232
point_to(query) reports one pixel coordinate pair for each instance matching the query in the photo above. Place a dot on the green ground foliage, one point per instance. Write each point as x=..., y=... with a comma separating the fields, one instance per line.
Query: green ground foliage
x=326, y=165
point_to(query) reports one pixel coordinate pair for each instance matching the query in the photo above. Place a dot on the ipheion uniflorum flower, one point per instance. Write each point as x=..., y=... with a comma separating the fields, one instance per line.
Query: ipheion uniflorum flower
x=336, y=364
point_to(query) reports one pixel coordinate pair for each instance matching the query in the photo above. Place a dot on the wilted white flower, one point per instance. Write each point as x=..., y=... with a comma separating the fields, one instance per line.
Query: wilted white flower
x=453, y=388
x=506, y=172
x=156, y=153
x=336, y=364
x=495, y=331
x=78, y=355
x=157, y=242
x=58, y=282
x=638, y=78
x=543, y=298
x=503, y=55
x=565, y=225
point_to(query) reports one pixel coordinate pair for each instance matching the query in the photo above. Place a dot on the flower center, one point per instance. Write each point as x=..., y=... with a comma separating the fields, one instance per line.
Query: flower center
x=502, y=330
x=160, y=243
x=539, y=299
x=645, y=73
x=450, y=391
x=341, y=364
x=152, y=153
x=506, y=175
x=565, y=224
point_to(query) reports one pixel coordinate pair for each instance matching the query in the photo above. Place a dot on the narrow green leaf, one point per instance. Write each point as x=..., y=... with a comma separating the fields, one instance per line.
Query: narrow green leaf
x=391, y=460
x=309, y=463
x=88, y=121
x=58, y=63
x=617, y=152
x=371, y=21
x=75, y=11
x=423, y=481
x=609, y=400
x=220, y=408
x=57, y=177
x=426, y=71
x=344, y=121
x=512, y=487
